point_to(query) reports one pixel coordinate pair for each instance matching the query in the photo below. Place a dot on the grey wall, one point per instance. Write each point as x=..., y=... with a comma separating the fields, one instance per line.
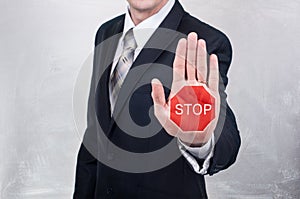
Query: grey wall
x=44, y=43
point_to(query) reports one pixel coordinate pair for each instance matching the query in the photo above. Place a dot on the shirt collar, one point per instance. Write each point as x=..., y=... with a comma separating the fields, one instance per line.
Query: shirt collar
x=144, y=30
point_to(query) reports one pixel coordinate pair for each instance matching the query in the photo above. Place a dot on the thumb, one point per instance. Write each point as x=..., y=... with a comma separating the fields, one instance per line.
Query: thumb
x=158, y=95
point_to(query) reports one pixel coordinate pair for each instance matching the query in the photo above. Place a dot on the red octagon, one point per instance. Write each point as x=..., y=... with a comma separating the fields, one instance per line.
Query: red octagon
x=192, y=108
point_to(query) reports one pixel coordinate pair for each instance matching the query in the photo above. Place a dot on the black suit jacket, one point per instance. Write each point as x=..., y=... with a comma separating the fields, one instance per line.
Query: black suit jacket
x=176, y=180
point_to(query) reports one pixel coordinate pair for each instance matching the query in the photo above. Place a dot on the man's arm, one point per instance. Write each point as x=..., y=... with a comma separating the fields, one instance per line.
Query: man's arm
x=227, y=146
x=225, y=127
x=85, y=175
x=227, y=140
x=86, y=169
x=226, y=133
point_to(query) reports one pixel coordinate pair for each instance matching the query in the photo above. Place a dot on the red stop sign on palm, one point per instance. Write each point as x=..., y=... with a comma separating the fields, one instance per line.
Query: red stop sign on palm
x=192, y=108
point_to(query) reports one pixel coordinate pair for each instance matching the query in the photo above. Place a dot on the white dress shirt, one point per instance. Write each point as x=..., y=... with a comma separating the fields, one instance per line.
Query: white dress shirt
x=142, y=33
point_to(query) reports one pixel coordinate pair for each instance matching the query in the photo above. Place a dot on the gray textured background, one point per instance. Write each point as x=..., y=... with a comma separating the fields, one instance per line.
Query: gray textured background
x=43, y=44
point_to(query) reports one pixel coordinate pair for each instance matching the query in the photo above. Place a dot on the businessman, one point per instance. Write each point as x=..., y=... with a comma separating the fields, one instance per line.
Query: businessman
x=141, y=59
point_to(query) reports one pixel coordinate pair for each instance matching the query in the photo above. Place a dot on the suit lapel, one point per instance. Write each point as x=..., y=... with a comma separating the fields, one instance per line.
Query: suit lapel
x=104, y=55
x=163, y=37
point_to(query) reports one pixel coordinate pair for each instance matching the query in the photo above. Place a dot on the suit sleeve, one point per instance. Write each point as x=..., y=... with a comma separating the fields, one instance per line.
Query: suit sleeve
x=86, y=169
x=226, y=133
x=85, y=175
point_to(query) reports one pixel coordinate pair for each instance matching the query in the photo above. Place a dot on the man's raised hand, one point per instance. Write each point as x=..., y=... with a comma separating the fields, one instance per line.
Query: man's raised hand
x=189, y=69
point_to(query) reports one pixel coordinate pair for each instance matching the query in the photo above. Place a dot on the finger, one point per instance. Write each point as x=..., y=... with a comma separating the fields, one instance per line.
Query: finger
x=158, y=95
x=179, y=61
x=201, y=61
x=213, y=73
x=191, y=56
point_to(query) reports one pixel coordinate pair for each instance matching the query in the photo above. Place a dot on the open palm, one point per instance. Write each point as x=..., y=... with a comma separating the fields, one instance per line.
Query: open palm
x=189, y=69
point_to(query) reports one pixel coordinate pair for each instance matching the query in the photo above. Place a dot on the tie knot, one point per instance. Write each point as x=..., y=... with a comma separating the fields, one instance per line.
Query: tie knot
x=129, y=41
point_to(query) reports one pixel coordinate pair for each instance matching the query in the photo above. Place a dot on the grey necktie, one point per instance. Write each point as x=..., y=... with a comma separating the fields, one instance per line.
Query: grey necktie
x=125, y=61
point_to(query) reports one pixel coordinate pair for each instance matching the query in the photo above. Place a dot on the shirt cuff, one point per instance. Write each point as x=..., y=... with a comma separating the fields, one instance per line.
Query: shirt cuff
x=203, y=152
